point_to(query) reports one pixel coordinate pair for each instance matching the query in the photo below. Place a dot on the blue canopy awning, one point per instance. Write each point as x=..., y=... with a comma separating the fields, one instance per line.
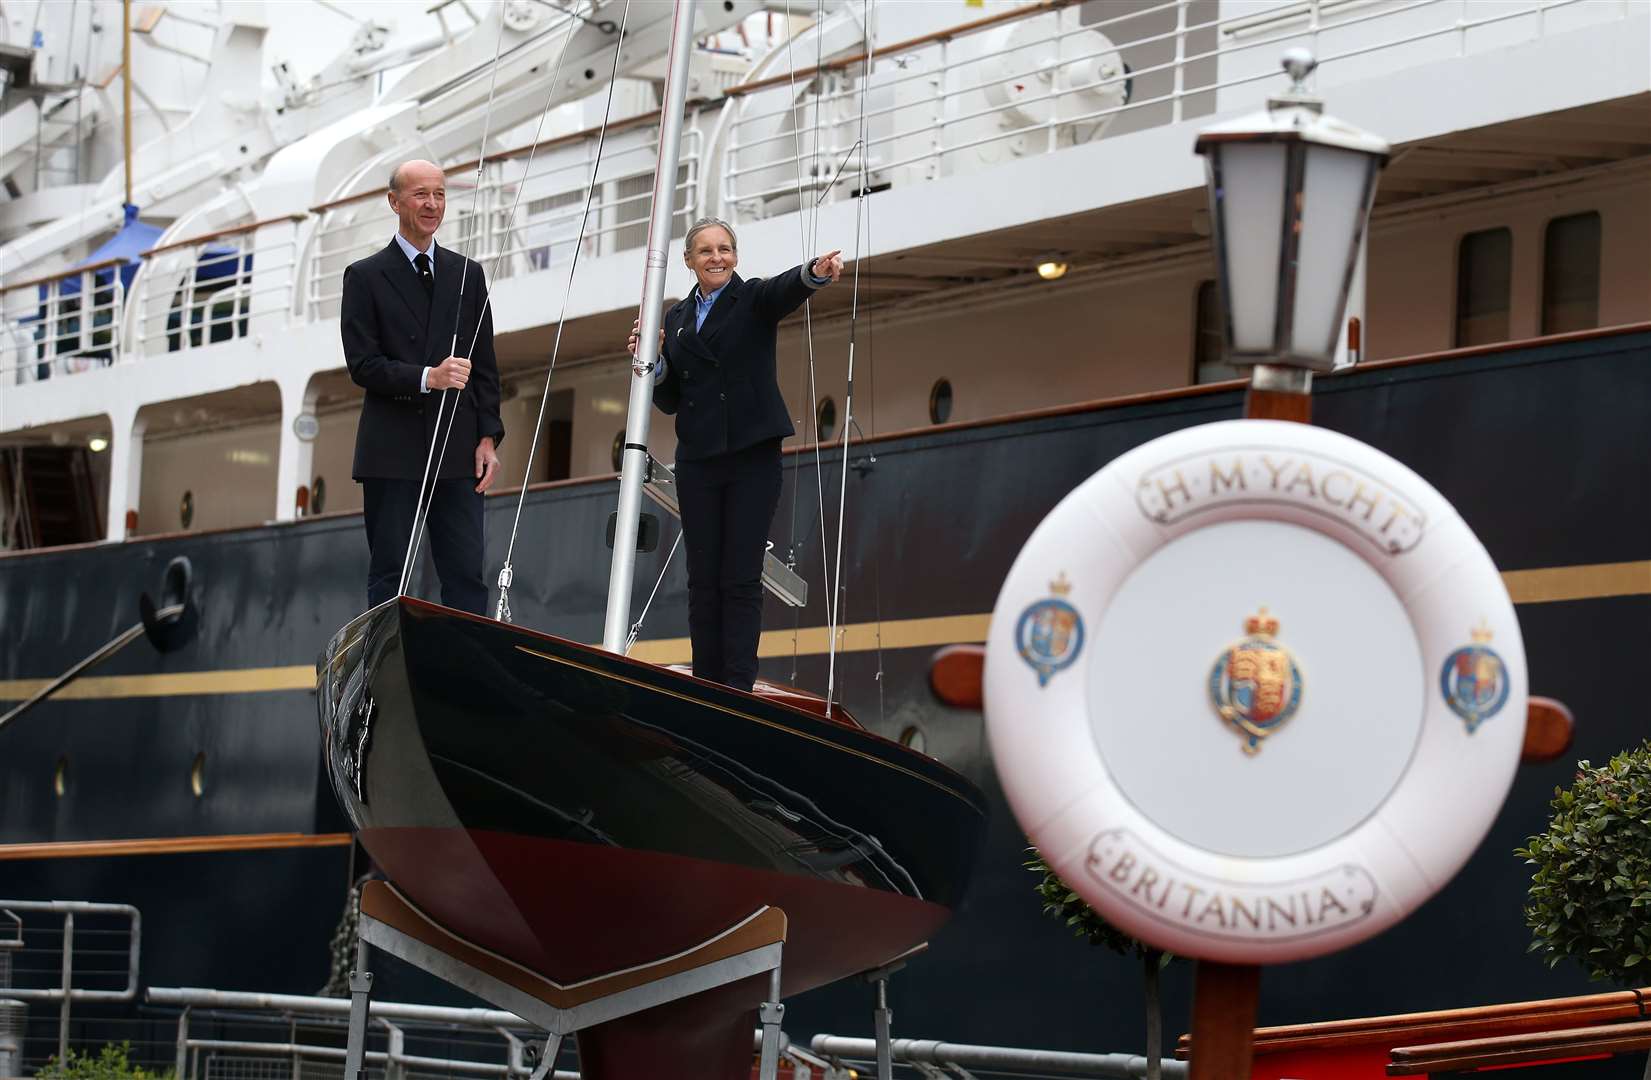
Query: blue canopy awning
x=130, y=241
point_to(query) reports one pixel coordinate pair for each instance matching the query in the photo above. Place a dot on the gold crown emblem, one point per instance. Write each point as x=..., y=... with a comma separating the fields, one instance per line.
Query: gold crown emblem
x=1261, y=623
x=1060, y=586
x=1482, y=633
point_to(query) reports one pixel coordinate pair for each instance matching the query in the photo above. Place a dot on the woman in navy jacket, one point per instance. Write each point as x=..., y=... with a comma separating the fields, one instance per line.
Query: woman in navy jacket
x=717, y=376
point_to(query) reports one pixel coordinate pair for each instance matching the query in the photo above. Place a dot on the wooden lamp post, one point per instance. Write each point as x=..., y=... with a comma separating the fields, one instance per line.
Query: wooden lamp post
x=1290, y=195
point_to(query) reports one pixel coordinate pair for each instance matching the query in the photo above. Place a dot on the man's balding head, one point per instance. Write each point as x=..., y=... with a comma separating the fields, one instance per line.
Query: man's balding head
x=418, y=196
x=400, y=175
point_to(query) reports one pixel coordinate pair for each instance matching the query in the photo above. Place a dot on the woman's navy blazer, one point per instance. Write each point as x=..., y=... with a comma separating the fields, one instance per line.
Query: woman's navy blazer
x=720, y=380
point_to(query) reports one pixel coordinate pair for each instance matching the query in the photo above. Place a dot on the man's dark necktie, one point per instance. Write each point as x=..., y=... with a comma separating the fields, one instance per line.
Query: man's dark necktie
x=421, y=263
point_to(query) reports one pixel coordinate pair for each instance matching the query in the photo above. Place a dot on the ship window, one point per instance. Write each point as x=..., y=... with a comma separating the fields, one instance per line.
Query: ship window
x=186, y=509
x=197, y=775
x=940, y=401
x=914, y=738
x=60, y=777
x=825, y=419
x=1570, y=274
x=1484, y=278
x=618, y=450
x=1208, y=346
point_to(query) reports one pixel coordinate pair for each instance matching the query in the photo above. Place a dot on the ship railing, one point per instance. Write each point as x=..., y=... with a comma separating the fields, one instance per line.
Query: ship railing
x=55, y=959
x=61, y=324
x=406, y=1041
x=522, y=213
x=933, y=1058
x=220, y=286
x=1044, y=77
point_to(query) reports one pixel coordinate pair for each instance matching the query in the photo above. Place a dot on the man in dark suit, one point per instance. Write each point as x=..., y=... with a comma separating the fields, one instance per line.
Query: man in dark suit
x=400, y=311
x=717, y=374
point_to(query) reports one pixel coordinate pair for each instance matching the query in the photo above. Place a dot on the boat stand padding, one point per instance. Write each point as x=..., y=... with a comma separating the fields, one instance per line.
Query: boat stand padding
x=751, y=947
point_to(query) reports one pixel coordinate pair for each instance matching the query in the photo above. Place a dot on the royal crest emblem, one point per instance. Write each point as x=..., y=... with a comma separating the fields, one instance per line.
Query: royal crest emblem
x=1256, y=683
x=1475, y=681
x=1049, y=635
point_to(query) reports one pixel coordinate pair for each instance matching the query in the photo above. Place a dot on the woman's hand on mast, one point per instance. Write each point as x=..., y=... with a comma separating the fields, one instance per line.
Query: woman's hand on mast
x=636, y=338
x=829, y=265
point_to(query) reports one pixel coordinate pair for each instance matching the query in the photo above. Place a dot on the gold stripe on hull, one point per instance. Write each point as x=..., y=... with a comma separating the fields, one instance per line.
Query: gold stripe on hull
x=1598, y=581
x=171, y=845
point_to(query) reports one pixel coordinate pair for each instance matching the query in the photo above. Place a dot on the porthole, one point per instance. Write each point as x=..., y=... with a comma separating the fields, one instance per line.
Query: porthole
x=914, y=738
x=60, y=777
x=318, y=495
x=825, y=419
x=619, y=450
x=186, y=509
x=197, y=775
x=940, y=401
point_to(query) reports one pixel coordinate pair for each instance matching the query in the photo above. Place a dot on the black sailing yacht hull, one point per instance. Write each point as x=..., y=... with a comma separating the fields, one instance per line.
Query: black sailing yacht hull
x=580, y=812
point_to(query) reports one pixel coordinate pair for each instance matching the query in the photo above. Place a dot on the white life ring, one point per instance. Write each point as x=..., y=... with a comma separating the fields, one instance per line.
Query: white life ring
x=1255, y=691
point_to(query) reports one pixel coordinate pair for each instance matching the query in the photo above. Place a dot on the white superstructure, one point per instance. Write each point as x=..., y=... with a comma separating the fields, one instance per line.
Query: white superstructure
x=996, y=136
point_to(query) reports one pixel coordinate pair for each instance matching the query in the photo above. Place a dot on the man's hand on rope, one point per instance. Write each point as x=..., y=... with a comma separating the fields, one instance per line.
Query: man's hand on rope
x=829, y=265
x=451, y=373
x=636, y=338
x=487, y=464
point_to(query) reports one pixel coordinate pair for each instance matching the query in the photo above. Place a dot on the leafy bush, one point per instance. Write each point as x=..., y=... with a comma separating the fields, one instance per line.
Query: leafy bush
x=1060, y=902
x=1590, y=896
x=111, y=1063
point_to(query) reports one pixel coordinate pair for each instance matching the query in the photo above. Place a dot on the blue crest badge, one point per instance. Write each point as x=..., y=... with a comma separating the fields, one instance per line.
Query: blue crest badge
x=1475, y=681
x=1049, y=635
x=1256, y=683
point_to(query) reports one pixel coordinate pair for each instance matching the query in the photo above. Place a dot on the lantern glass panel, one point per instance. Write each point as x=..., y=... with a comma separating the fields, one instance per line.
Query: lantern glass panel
x=1334, y=189
x=1249, y=213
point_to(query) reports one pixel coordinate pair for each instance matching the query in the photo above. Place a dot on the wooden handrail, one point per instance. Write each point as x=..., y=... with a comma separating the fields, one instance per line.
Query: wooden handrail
x=63, y=275
x=1149, y=397
x=1473, y=1054
x=1415, y=1029
x=638, y=120
x=643, y=119
x=233, y=230
x=934, y=37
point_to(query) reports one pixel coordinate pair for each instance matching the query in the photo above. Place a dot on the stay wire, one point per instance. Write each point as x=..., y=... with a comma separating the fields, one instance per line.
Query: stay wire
x=808, y=316
x=636, y=627
x=507, y=572
x=427, y=485
x=848, y=394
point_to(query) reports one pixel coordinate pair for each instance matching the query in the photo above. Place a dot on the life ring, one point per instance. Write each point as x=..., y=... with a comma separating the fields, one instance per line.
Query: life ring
x=1255, y=691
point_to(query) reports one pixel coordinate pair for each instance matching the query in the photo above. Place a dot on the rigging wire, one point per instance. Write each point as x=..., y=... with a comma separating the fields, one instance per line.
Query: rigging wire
x=636, y=627
x=507, y=572
x=421, y=511
x=848, y=395
x=808, y=311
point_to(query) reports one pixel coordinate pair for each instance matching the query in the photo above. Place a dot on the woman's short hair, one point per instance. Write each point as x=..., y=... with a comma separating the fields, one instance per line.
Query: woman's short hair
x=705, y=223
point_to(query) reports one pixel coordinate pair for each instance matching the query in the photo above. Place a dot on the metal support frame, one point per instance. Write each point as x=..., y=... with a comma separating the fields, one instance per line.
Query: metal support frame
x=361, y=992
x=883, y=1016
x=560, y=1022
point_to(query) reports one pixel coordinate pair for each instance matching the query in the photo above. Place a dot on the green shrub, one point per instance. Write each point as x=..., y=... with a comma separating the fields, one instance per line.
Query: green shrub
x=111, y=1063
x=1590, y=896
x=1060, y=902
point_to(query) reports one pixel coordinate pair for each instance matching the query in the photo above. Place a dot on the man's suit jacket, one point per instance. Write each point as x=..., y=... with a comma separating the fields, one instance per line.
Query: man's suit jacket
x=392, y=331
x=720, y=380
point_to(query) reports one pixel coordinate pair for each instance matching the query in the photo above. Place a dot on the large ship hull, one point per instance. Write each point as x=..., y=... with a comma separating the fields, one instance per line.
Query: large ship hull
x=1543, y=447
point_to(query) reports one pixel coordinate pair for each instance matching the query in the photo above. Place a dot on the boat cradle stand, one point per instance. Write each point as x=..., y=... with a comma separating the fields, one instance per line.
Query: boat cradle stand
x=390, y=922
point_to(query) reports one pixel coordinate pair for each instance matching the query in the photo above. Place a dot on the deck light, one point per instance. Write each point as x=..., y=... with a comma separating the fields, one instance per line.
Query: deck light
x=1051, y=270
x=1290, y=194
x=97, y=444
